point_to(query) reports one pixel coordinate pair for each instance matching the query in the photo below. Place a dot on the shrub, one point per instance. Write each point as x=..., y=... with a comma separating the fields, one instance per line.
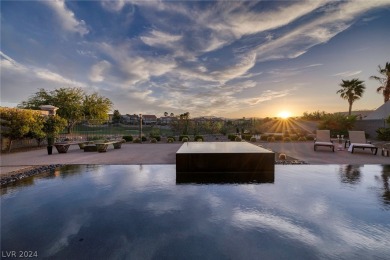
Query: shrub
x=170, y=140
x=253, y=139
x=184, y=139
x=383, y=134
x=171, y=137
x=271, y=139
x=231, y=137
x=144, y=139
x=199, y=140
x=264, y=137
x=128, y=138
x=282, y=156
x=310, y=138
x=137, y=140
x=238, y=139
x=338, y=124
x=246, y=137
x=157, y=137
x=278, y=137
x=184, y=136
x=294, y=137
x=302, y=138
x=153, y=141
x=286, y=139
x=197, y=137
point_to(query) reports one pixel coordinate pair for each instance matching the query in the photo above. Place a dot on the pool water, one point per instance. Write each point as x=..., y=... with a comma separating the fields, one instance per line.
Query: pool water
x=140, y=212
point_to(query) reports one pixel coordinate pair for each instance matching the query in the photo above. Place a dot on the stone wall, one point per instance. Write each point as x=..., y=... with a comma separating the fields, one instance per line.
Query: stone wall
x=370, y=126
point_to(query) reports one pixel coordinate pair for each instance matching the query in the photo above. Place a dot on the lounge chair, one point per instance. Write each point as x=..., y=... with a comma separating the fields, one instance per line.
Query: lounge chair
x=323, y=139
x=357, y=140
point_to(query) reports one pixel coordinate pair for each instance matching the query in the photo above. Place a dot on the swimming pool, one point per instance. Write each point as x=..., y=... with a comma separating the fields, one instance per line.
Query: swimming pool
x=141, y=212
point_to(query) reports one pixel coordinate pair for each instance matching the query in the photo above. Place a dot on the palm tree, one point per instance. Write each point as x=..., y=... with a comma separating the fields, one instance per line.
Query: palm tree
x=351, y=90
x=165, y=113
x=384, y=81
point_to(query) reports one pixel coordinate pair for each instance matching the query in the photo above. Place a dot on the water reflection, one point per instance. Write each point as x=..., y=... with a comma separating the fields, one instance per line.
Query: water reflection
x=384, y=191
x=134, y=212
x=350, y=174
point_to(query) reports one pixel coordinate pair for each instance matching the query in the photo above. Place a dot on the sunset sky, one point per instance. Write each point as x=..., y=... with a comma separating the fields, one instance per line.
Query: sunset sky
x=220, y=58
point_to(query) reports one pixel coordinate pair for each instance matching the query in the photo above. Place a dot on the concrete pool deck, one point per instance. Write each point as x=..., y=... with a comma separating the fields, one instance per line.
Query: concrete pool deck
x=164, y=153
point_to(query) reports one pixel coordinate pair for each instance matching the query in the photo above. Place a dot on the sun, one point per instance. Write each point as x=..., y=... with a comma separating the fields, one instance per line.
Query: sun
x=284, y=114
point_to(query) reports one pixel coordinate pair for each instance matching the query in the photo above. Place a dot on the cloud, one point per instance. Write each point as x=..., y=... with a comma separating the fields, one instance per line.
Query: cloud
x=97, y=71
x=347, y=73
x=160, y=39
x=67, y=18
x=18, y=80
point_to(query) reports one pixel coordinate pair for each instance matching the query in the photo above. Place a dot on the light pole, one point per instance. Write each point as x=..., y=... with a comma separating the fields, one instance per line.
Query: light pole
x=140, y=127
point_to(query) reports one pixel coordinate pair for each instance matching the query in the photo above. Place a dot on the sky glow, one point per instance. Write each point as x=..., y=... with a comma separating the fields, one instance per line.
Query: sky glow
x=221, y=58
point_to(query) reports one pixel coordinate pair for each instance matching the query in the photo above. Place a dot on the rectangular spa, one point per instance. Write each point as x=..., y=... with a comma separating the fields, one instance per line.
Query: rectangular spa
x=236, y=161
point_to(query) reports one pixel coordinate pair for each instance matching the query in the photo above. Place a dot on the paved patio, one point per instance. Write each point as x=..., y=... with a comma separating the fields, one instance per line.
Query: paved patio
x=163, y=153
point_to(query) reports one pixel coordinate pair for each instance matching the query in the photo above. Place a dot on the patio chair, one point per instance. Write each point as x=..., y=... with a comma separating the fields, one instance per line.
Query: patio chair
x=357, y=140
x=323, y=139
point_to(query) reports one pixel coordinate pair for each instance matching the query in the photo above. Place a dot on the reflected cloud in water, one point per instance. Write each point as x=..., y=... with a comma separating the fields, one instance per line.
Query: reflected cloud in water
x=140, y=212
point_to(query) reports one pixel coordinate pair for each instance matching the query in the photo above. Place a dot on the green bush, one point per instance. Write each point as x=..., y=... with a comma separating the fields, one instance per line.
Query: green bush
x=128, y=138
x=184, y=139
x=338, y=124
x=383, y=134
x=278, y=137
x=153, y=141
x=253, y=140
x=264, y=137
x=238, y=139
x=144, y=139
x=286, y=139
x=270, y=139
x=231, y=137
x=246, y=137
x=157, y=137
x=137, y=140
x=171, y=137
x=310, y=138
x=170, y=140
x=197, y=137
x=184, y=136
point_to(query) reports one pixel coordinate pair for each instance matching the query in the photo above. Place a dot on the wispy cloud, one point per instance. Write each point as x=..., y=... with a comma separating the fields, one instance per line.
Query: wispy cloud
x=347, y=73
x=97, y=71
x=66, y=17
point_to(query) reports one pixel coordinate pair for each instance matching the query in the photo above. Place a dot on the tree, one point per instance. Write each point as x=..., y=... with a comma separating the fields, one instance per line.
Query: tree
x=165, y=113
x=338, y=124
x=351, y=90
x=185, y=118
x=70, y=104
x=116, y=117
x=18, y=123
x=172, y=115
x=384, y=81
x=96, y=107
x=73, y=103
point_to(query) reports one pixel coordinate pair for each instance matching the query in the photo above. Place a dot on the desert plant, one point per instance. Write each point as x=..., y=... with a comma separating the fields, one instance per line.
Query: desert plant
x=383, y=134
x=170, y=140
x=184, y=136
x=238, y=139
x=199, y=140
x=278, y=137
x=137, y=140
x=310, y=138
x=246, y=137
x=302, y=138
x=153, y=141
x=264, y=137
x=271, y=139
x=197, y=137
x=171, y=137
x=127, y=138
x=286, y=139
x=144, y=139
x=232, y=137
x=253, y=140
x=184, y=139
